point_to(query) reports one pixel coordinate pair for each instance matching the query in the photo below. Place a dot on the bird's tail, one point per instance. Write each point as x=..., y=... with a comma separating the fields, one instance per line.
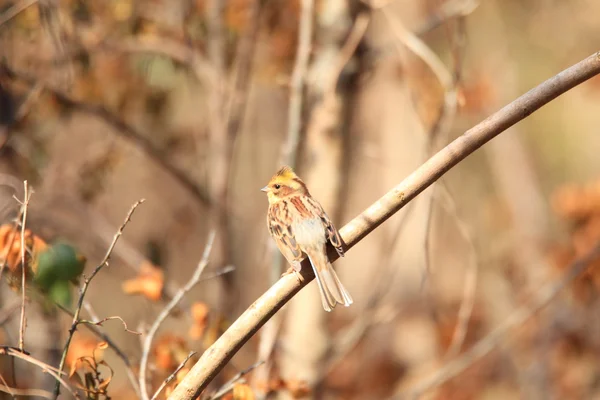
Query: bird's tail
x=332, y=290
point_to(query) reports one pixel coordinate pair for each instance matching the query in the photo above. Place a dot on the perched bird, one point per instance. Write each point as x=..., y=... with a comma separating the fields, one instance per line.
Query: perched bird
x=301, y=229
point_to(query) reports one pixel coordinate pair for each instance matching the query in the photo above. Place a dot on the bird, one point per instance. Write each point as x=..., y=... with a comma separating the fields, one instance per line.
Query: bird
x=301, y=229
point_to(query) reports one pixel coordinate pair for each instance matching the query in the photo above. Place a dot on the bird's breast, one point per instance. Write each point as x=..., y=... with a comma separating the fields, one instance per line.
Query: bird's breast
x=309, y=231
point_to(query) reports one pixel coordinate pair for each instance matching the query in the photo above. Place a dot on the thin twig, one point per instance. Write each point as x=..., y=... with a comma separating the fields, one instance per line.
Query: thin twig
x=305, y=33
x=359, y=28
x=217, y=356
x=517, y=318
x=6, y=388
x=225, y=270
x=468, y=300
x=84, y=288
x=230, y=383
x=15, y=10
x=24, y=204
x=172, y=376
x=25, y=392
x=103, y=320
x=449, y=10
x=167, y=310
x=56, y=373
x=244, y=62
x=31, y=97
x=88, y=307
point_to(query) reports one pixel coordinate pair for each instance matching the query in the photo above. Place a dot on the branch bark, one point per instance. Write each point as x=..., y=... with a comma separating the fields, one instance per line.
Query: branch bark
x=217, y=356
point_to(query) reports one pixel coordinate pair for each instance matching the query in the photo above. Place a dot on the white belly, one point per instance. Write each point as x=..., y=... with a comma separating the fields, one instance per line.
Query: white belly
x=309, y=232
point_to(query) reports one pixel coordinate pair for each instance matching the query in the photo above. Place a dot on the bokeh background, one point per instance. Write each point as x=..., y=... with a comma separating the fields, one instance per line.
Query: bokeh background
x=193, y=105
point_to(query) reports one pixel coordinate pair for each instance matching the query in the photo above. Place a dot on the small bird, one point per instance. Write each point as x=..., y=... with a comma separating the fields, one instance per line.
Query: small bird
x=301, y=229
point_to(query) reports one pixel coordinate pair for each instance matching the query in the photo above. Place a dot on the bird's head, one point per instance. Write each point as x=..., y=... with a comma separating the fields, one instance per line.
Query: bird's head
x=284, y=183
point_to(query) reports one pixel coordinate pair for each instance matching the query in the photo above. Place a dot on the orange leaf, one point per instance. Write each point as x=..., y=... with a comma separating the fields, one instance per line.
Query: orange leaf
x=200, y=316
x=169, y=351
x=82, y=347
x=241, y=391
x=298, y=388
x=149, y=282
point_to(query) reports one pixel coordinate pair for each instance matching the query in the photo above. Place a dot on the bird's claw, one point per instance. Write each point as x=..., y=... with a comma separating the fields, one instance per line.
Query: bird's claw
x=293, y=270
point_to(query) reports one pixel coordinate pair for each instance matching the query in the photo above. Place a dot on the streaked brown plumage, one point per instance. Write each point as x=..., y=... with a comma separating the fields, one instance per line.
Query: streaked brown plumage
x=301, y=229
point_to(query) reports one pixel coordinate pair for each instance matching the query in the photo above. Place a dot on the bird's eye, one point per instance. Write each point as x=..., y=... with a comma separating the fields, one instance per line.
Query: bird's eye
x=277, y=186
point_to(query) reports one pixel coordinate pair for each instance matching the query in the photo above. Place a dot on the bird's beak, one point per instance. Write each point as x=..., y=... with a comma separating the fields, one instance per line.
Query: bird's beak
x=265, y=189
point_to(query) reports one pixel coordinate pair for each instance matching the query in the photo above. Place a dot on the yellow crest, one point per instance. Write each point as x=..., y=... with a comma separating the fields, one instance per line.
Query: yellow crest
x=286, y=173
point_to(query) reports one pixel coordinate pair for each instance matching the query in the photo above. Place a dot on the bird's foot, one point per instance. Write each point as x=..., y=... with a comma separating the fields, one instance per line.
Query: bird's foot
x=295, y=272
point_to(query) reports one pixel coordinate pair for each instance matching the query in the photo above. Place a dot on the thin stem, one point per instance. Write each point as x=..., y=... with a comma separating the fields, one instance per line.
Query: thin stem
x=25, y=204
x=173, y=375
x=84, y=288
x=167, y=310
x=15, y=10
x=230, y=383
x=305, y=33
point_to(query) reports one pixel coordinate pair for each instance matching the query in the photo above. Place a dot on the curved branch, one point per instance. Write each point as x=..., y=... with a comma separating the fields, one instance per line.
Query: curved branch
x=215, y=358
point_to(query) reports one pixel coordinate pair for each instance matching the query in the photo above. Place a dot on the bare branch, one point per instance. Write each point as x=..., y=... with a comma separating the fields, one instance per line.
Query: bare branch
x=24, y=205
x=85, y=287
x=172, y=376
x=103, y=320
x=230, y=383
x=5, y=388
x=217, y=356
x=25, y=392
x=167, y=310
x=448, y=10
x=15, y=10
x=305, y=32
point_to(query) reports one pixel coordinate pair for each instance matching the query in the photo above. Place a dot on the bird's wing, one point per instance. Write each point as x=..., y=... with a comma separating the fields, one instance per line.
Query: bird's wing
x=333, y=235
x=330, y=231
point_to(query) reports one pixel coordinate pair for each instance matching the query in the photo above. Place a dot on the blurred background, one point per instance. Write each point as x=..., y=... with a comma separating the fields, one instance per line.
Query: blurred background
x=193, y=105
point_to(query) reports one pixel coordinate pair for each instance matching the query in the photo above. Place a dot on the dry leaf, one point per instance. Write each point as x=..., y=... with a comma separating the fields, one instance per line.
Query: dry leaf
x=170, y=351
x=149, y=282
x=242, y=391
x=82, y=346
x=200, y=316
x=10, y=247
